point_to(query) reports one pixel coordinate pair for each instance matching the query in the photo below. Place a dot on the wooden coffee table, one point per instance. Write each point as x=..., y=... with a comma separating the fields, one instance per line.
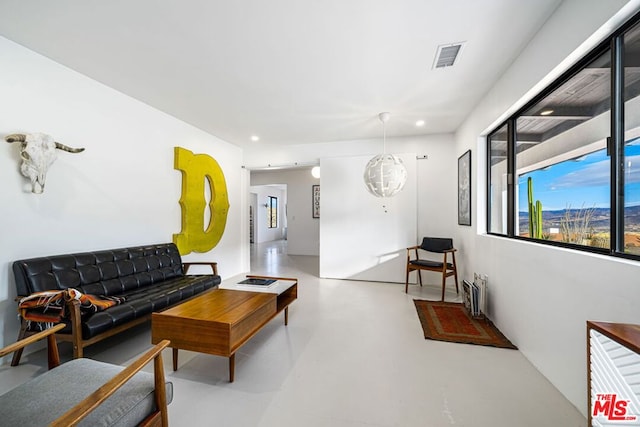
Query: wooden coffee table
x=220, y=321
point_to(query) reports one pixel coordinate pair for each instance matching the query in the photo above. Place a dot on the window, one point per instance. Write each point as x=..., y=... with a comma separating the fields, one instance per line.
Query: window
x=561, y=163
x=272, y=212
x=631, y=164
x=498, y=181
x=565, y=169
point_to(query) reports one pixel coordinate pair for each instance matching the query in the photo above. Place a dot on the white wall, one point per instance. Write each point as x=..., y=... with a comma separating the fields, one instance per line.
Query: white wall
x=303, y=231
x=541, y=296
x=365, y=237
x=121, y=191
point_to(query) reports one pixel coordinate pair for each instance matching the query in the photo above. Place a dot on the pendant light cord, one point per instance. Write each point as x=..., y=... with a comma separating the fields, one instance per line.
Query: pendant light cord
x=383, y=118
x=384, y=139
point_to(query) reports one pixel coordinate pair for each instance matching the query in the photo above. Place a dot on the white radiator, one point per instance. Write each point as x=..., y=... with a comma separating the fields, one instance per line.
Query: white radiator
x=615, y=382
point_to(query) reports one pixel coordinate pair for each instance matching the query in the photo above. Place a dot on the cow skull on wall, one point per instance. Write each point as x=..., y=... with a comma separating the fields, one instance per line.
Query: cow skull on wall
x=38, y=152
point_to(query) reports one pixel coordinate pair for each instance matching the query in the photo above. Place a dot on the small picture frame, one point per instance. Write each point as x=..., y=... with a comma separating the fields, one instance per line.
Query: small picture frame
x=315, y=201
x=464, y=189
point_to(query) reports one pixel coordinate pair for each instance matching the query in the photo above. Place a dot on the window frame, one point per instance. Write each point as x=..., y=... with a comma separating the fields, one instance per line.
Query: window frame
x=615, y=147
x=272, y=220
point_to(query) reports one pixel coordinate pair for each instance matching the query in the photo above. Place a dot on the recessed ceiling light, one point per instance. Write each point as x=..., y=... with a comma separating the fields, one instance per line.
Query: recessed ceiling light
x=255, y=138
x=546, y=112
x=420, y=123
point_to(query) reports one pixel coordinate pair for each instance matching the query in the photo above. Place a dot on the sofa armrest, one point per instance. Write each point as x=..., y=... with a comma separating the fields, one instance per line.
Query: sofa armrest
x=52, y=346
x=213, y=265
x=82, y=409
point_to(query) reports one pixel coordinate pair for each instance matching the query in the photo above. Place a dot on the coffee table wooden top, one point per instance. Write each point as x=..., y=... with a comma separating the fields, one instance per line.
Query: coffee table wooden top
x=220, y=306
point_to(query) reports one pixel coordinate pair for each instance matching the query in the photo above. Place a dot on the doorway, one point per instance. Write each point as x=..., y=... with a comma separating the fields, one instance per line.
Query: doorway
x=298, y=230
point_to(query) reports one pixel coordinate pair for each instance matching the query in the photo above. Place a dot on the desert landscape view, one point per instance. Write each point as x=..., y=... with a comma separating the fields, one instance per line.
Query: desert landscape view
x=589, y=227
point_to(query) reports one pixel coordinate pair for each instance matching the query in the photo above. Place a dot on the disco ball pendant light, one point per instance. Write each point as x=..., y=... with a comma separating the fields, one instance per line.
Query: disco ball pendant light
x=385, y=174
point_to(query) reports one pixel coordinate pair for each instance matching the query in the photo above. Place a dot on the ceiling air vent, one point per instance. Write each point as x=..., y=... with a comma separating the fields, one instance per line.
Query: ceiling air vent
x=446, y=55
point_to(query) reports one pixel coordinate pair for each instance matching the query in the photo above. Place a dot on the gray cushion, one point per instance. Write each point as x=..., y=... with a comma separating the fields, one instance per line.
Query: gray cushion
x=41, y=400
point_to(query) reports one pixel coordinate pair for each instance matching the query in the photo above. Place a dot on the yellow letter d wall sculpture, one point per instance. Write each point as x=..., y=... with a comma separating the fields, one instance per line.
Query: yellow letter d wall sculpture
x=198, y=169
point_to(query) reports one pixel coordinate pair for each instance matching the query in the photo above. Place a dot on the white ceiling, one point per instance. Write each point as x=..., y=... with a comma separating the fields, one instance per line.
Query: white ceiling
x=289, y=71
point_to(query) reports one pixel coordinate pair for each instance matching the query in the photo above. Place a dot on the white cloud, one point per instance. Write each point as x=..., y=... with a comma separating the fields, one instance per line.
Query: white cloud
x=597, y=174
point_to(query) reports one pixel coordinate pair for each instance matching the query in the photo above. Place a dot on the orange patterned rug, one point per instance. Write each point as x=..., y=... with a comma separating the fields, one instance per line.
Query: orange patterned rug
x=449, y=321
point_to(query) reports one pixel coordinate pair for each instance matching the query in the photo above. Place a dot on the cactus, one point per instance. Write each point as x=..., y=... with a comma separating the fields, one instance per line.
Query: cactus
x=535, y=213
x=538, y=227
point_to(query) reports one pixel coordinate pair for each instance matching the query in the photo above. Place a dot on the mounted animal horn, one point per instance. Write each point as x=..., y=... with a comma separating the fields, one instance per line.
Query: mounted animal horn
x=15, y=137
x=38, y=152
x=69, y=149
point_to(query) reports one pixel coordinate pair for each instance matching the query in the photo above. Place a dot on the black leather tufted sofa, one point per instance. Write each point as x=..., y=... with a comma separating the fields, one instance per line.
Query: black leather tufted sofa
x=150, y=278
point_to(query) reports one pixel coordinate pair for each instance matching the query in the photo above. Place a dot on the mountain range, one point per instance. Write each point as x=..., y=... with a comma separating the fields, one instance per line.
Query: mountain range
x=600, y=220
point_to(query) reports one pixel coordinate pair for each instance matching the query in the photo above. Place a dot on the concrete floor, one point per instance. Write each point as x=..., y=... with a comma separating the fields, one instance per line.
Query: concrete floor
x=352, y=355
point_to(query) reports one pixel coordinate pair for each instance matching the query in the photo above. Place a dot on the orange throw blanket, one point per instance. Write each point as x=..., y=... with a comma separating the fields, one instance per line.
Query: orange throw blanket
x=43, y=309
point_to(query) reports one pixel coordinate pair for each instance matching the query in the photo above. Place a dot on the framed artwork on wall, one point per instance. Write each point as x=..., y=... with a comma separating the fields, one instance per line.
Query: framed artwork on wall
x=464, y=189
x=315, y=201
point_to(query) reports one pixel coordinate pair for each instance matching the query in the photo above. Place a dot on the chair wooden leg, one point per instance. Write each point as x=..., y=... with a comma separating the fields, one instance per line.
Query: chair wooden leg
x=455, y=271
x=455, y=277
x=444, y=282
x=406, y=282
x=53, y=357
x=420, y=277
x=18, y=354
x=76, y=328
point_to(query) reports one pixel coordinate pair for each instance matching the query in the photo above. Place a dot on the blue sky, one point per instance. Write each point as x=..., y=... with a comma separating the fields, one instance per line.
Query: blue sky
x=582, y=183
